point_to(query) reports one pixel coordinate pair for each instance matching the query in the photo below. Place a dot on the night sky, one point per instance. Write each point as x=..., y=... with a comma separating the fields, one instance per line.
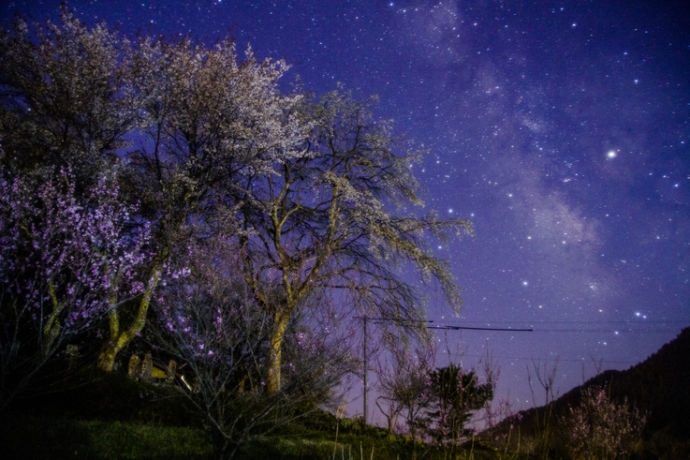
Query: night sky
x=561, y=129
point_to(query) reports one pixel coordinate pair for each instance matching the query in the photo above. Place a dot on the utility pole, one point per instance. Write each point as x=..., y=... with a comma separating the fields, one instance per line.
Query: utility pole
x=366, y=364
x=411, y=323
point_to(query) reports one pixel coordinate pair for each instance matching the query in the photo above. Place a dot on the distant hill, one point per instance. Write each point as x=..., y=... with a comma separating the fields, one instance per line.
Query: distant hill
x=659, y=387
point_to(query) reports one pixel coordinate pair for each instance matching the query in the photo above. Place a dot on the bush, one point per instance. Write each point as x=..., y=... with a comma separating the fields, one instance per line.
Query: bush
x=601, y=427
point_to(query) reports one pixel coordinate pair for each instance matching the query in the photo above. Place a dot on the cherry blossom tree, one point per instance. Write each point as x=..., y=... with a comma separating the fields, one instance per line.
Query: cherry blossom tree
x=337, y=217
x=66, y=262
x=72, y=95
x=67, y=95
x=213, y=125
x=318, y=191
x=600, y=427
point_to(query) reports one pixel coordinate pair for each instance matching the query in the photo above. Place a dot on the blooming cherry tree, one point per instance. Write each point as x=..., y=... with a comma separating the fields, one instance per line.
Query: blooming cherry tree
x=66, y=262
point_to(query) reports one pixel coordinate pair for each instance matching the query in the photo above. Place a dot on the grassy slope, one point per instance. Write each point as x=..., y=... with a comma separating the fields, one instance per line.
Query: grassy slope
x=657, y=386
x=113, y=417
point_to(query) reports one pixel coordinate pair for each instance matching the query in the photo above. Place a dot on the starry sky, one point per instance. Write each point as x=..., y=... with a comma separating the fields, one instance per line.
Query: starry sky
x=560, y=128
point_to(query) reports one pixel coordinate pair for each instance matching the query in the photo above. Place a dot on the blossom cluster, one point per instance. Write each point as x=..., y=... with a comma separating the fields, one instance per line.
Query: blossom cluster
x=600, y=426
x=69, y=255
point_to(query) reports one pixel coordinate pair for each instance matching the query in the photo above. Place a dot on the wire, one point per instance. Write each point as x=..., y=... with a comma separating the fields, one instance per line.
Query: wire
x=443, y=326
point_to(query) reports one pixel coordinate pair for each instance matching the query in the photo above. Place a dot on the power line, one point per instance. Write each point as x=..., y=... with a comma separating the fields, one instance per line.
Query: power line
x=418, y=324
x=449, y=327
x=470, y=328
x=608, y=331
x=559, y=357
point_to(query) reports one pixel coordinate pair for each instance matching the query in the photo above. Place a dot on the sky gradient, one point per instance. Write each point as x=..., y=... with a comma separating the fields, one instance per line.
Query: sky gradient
x=560, y=129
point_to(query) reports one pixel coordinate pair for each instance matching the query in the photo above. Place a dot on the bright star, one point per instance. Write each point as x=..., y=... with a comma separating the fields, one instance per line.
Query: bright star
x=611, y=154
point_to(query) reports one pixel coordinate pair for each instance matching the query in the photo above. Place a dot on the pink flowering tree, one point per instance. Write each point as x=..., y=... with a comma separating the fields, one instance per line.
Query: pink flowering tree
x=600, y=427
x=208, y=320
x=67, y=260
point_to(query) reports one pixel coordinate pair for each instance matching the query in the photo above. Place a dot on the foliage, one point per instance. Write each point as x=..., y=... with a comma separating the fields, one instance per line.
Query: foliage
x=601, y=427
x=435, y=402
x=456, y=394
x=321, y=222
x=71, y=95
x=259, y=212
x=68, y=95
x=66, y=262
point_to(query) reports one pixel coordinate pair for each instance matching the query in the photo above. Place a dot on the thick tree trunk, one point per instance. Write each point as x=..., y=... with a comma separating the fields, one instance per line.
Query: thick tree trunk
x=277, y=335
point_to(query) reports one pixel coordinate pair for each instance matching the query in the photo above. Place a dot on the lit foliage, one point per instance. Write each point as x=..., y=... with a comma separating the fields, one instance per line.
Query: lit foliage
x=600, y=427
x=213, y=123
x=322, y=221
x=316, y=193
x=66, y=262
x=67, y=96
x=71, y=95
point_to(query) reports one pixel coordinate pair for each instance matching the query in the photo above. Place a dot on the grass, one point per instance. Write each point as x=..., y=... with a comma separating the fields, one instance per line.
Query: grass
x=115, y=418
x=64, y=438
x=61, y=438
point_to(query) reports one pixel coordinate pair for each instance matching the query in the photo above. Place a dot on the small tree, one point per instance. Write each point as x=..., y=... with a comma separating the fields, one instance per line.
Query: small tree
x=405, y=385
x=599, y=427
x=456, y=395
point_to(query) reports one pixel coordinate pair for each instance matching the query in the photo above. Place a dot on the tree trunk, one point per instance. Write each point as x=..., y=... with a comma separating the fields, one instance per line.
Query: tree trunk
x=120, y=339
x=277, y=335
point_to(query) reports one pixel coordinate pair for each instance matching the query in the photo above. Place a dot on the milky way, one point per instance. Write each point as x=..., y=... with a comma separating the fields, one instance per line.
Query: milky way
x=559, y=128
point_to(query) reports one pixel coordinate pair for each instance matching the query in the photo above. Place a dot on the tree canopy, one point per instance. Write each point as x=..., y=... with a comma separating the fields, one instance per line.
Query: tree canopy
x=310, y=197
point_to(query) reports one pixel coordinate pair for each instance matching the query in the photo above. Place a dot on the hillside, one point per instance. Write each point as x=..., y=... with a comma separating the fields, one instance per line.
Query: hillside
x=657, y=386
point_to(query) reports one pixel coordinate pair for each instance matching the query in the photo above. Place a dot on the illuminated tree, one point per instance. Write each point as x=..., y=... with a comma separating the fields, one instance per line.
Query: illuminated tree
x=67, y=94
x=66, y=262
x=335, y=218
x=69, y=97
x=213, y=124
x=71, y=94
x=319, y=192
